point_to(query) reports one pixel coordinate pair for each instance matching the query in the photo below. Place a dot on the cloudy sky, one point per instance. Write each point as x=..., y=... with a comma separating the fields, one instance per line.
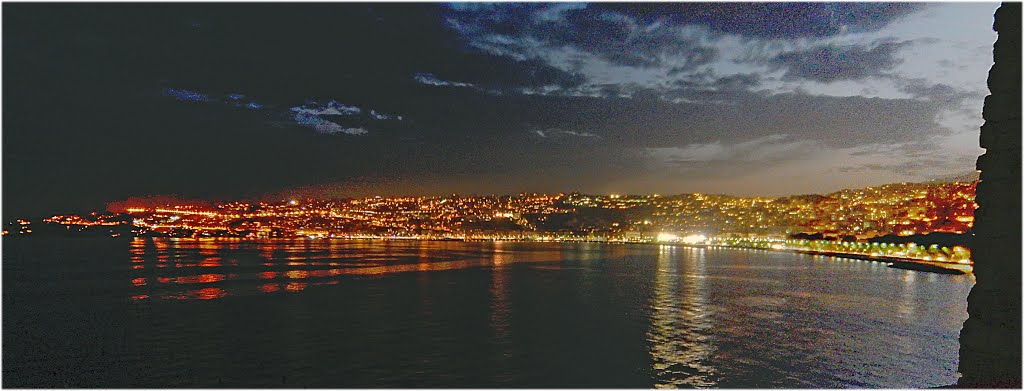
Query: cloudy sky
x=104, y=102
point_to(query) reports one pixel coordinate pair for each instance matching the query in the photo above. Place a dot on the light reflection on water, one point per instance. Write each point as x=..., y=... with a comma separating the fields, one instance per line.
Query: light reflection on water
x=303, y=259
x=500, y=311
x=499, y=314
x=706, y=312
x=679, y=334
x=682, y=309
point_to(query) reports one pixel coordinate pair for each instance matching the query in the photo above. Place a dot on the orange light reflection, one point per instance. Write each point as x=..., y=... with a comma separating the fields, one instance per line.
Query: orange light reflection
x=210, y=262
x=200, y=279
x=267, y=288
x=210, y=293
x=297, y=274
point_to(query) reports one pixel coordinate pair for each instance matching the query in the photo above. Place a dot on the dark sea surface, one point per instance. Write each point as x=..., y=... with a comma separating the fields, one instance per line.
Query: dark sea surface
x=333, y=313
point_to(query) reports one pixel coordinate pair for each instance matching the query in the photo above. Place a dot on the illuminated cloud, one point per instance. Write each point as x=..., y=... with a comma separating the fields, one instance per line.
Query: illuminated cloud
x=324, y=126
x=239, y=100
x=232, y=99
x=185, y=95
x=382, y=117
x=332, y=107
x=431, y=80
x=312, y=115
x=769, y=148
x=555, y=132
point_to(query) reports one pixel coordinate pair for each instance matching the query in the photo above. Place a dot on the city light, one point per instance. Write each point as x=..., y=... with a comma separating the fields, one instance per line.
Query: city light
x=846, y=222
x=667, y=237
x=694, y=239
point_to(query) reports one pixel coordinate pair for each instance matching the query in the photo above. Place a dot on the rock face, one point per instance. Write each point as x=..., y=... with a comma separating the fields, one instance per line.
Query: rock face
x=990, y=342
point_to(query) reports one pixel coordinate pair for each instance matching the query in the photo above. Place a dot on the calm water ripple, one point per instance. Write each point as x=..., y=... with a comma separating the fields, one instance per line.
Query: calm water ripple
x=337, y=313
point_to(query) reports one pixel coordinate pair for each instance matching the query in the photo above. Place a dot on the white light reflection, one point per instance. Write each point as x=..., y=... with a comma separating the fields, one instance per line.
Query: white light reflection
x=681, y=321
x=499, y=293
x=908, y=295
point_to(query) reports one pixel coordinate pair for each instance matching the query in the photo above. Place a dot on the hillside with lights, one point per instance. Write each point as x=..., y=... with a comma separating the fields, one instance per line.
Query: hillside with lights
x=896, y=210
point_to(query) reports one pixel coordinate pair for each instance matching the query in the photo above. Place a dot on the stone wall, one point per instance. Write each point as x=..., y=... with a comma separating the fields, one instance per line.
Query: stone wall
x=990, y=342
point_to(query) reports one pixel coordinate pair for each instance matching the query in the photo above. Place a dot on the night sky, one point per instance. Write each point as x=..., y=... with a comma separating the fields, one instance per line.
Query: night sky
x=103, y=102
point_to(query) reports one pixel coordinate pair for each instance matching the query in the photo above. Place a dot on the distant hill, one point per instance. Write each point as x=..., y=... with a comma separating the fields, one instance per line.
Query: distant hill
x=970, y=176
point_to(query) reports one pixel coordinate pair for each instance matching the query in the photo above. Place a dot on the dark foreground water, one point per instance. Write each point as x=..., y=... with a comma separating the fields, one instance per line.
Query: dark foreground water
x=319, y=313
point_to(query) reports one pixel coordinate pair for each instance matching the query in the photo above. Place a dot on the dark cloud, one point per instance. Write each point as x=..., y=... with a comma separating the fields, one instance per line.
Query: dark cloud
x=503, y=73
x=829, y=63
x=612, y=36
x=771, y=20
x=708, y=88
x=738, y=82
x=936, y=92
x=621, y=40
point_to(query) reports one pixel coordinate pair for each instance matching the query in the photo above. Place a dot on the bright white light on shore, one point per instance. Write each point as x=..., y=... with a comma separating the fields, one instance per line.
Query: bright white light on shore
x=778, y=246
x=667, y=237
x=694, y=239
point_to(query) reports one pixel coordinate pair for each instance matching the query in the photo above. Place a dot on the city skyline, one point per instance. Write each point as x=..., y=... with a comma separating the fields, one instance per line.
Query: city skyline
x=162, y=200
x=348, y=100
x=900, y=209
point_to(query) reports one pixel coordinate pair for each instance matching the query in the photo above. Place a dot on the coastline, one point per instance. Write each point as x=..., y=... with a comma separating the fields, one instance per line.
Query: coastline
x=894, y=262
x=901, y=263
